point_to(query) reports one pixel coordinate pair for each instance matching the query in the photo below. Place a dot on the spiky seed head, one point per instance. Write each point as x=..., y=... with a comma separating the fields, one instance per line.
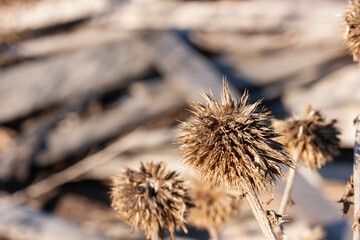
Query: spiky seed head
x=229, y=144
x=153, y=198
x=315, y=138
x=213, y=206
x=352, y=28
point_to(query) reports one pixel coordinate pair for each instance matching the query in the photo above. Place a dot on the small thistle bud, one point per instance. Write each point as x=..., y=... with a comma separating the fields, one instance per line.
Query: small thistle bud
x=229, y=144
x=152, y=199
x=213, y=206
x=352, y=28
x=315, y=138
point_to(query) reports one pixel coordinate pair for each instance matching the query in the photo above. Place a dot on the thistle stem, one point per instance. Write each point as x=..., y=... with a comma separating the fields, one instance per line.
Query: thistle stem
x=289, y=185
x=356, y=227
x=213, y=233
x=157, y=235
x=258, y=212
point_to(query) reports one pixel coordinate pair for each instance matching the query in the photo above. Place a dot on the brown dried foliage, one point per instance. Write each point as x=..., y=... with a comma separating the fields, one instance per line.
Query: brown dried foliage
x=229, y=144
x=348, y=195
x=152, y=198
x=315, y=138
x=274, y=218
x=352, y=28
x=213, y=206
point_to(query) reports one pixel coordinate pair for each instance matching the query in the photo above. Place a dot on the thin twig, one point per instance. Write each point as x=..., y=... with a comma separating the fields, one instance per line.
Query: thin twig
x=289, y=185
x=356, y=177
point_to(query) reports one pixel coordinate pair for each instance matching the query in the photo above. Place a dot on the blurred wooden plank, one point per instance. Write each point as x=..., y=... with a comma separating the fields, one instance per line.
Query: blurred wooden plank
x=248, y=16
x=40, y=14
x=20, y=223
x=227, y=16
x=238, y=43
x=32, y=86
x=15, y=161
x=167, y=153
x=138, y=139
x=119, y=119
x=81, y=38
x=187, y=70
x=281, y=66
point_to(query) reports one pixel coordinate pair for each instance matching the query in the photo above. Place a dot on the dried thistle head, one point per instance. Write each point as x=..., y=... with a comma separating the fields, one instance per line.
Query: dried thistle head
x=229, y=144
x=315, y=138
x=352, y=28
x=152, y=198
x=213, y=206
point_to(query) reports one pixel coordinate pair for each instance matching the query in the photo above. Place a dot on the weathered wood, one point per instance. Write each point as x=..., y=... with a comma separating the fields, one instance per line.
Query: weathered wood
x=32, y=86
x=247, y=16
x=46, y=13
x=20, y=223
x=164, y=152
x=262, y=43
x=85, y=37
x=187, y=70
x=139, y=138
x=225, y=16
x=117, y=120
x=240, y=43
x=282, y=64
x=16, y=159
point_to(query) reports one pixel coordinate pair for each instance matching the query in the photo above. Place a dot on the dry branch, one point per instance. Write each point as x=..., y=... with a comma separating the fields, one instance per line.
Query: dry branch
x=120, y=119
x=305, y=17
x=187, y=70
x=134, y=139
x=35, y=85
x=64, y=42
x=20, y=223
x=16, y=159
x=225, y=16
x=281, y=65
x=40, y=14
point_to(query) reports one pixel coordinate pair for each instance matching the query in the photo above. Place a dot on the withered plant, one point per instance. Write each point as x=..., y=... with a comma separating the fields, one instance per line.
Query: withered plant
x=352, y=28
x=213, y=207
x=152, y=198
x=230, y=145
x=313, y=139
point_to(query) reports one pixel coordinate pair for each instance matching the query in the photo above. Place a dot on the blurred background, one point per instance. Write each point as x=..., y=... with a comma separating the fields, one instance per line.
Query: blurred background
x=90, y=86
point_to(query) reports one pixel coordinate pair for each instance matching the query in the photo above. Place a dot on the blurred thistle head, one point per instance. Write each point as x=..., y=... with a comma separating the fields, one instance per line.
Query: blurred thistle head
x=213, y=206
x=313, y=138
x=229, y=144
x=152, y=198
x=352, y=28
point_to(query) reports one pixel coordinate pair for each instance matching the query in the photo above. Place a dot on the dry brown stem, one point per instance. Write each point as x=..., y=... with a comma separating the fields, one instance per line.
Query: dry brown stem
x=286, y=199
x=356, y=176
x=259, y=213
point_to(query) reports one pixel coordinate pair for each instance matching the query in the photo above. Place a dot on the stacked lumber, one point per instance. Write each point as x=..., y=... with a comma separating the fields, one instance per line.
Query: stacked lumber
x=88, y=87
